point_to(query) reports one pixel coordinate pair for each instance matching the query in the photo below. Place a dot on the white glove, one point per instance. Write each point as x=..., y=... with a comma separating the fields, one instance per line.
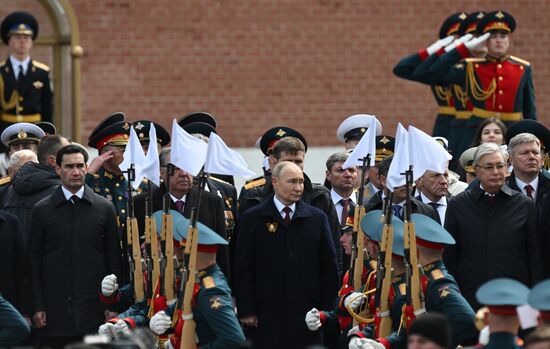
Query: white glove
x=460, y=40
x=477, y=43
x=354, y=300
x=353, y=330
x=106, y=330
x=121, y=328
x=109, y=285
x=160, y=322
x=313, y=319
x=364, y=343
x=484, y=335
x=168, y=344
x=433, y=48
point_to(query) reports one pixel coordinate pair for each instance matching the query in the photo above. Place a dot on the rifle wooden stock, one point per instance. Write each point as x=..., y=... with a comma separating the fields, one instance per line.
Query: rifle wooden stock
x=385, y=327
x=137, y=271
x=414, y=283
x=168, y=237
x=188, y=330
x=360, y=251
x=151, y=226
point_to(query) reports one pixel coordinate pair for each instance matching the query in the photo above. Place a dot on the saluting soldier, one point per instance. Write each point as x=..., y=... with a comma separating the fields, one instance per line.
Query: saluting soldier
x=499, y=85
x=104, y=175
x=406, y=68
x=25, y=90
x=352, y=129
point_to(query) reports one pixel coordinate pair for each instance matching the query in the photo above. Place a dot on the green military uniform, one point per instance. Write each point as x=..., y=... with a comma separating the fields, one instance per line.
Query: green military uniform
x=502, y=297
x=112, y=187
x=25, y=98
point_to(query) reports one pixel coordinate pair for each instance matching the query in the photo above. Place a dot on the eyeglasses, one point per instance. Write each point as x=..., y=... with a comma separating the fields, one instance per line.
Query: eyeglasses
x=490, y=167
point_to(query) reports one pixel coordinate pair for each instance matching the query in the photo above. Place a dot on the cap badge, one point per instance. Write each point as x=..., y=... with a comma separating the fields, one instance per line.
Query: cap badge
x=280, y=133
x=462, y=16
x=139, y=126
x=499, y=15
x=141, y=135
x=384, y=140
x=480, y=15
x=363, y=130
x=22, y=134
x=126, y=126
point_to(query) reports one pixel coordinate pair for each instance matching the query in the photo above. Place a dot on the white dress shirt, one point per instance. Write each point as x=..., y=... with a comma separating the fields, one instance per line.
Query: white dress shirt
x=68, y=194
x=280, y=206
x=338, y=205
x=441, y=208
x=534, y=183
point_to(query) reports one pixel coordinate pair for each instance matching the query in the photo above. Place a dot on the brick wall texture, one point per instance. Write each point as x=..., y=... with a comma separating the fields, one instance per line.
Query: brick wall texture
x=255, y=64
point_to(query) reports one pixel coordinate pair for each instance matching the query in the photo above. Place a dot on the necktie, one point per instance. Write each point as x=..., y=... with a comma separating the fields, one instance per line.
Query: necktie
x=74, y=199
x=179, y=206
x=397, y=211
x=435, y=205
x=529, y=190
x=286, y=218
x=345, y=211
x=20, y=73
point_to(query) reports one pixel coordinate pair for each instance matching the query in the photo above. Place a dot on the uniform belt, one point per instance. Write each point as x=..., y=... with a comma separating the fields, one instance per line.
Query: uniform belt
x=11, y=118
x=486, y=114
x=446, y=110
x=463, y=114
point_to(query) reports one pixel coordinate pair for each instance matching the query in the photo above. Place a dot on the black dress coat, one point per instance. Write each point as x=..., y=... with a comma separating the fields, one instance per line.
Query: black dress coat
x=283, y=272
x=71, y=248
x=493, y=240
x=211, y=214
x=14, y=274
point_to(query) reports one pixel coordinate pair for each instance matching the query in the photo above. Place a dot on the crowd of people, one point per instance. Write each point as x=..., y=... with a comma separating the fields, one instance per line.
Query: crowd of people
x=458, y=257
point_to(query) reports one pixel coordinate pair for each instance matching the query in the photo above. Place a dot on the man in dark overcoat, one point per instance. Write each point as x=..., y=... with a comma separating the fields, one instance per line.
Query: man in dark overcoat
x=494, y=228
x=286, y=264
x=73, y=243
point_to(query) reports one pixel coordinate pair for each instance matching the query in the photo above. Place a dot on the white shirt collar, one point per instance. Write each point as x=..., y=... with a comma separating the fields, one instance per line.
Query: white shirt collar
x=68, y=194
x=174, y=199
x=521, y=185
x=15, y=63
x=337, y=197
x=280, y=206
x=442, y=201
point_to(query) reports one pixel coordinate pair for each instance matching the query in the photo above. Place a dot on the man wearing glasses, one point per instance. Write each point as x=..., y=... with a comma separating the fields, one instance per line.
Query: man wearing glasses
x=494, y=228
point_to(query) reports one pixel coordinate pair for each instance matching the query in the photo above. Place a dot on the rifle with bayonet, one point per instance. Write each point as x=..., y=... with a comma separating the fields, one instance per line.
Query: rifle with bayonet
x=414, y=299
x=384, y=273
x=167, y=276
x=189, y=275
x=358, y=244
x=152, y=246
x=134, y=247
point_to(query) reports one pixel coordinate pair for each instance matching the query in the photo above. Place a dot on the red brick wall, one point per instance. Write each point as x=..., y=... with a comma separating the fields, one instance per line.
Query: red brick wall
x=254, y=64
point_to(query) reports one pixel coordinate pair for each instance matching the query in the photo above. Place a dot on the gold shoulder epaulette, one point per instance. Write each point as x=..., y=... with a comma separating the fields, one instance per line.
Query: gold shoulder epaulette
x=437, y=274
x=255, y=183
x=522, y=61
x=5, y=180
x=40, y=65
x=208, y=282
x=475, y=60
x=2, y=63
x=220, y=180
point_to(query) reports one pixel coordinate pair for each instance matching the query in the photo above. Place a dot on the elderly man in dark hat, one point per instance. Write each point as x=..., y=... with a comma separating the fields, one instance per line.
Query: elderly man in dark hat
x=26, y=94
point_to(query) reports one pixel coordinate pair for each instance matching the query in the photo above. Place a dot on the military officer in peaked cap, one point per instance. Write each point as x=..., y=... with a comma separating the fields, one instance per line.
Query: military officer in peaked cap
x=25, y=92
x=20, y=136
x=354, y=127
x=143, y=127
x=502, y=297
x=499, y=85
x=198, y=116
x=250, y=192
x=104, y=175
